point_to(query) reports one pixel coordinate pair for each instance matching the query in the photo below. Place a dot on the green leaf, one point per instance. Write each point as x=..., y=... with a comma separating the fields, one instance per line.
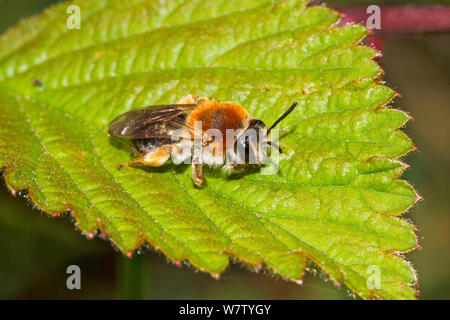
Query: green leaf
x=337, y=198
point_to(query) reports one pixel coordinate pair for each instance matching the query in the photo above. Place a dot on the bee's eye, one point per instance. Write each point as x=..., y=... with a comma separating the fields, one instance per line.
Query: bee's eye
x=244, y=148
x=242, y=143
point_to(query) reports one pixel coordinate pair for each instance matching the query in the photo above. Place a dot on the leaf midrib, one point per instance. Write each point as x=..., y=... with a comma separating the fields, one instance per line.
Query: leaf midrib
x=291, y=183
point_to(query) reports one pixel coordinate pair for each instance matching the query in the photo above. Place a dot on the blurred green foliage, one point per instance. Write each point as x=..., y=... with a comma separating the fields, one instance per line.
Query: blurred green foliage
x=35, y=249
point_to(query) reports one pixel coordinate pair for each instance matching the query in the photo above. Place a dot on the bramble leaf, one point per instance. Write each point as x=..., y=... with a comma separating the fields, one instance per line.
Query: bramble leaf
x=337, y=198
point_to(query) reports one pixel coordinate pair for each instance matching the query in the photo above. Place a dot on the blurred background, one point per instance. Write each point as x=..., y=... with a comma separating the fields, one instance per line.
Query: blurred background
x=35, y=249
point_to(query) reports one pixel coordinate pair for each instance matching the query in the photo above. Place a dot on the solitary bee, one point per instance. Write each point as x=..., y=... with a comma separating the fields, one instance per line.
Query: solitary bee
x=163, y=131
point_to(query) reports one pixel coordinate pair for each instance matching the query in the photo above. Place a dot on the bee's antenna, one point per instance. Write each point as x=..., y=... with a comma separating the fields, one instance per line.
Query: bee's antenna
x=284, y=115
x=273, y=144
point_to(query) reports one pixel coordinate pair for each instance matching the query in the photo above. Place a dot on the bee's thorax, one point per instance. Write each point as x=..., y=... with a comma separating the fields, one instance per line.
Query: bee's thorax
x=219, y=116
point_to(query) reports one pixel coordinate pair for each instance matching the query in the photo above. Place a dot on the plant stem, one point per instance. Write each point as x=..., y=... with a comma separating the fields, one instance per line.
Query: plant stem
x=403, y=19
x=132, y=278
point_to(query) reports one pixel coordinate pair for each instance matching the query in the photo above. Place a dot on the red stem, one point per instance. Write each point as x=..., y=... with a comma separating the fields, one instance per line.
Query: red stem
x=403, y=19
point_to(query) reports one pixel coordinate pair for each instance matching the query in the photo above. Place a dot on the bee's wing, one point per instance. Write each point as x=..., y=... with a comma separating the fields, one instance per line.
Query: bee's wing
x=150, y=122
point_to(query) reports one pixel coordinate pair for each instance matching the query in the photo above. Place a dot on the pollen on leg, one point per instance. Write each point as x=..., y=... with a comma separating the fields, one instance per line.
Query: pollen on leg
x=158, y=157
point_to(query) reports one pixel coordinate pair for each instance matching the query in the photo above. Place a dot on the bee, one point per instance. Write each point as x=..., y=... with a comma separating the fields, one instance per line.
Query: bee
x=221, y=129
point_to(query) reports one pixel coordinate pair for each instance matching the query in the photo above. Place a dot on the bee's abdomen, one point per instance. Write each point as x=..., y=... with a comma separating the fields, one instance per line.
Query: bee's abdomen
x=143, y=146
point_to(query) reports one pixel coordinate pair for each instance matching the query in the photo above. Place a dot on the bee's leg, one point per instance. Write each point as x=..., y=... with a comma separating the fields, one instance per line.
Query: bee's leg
x=232, y=168
x=156, y=158
x=133, y=162
x=197, y=175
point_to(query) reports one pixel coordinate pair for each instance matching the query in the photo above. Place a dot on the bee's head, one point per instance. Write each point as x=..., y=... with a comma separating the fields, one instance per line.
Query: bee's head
x=247, y=145
x=256, y=124
x=252, y=144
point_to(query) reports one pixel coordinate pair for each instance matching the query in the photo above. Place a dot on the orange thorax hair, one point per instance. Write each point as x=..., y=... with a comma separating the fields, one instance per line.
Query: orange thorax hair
x=218, y=115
